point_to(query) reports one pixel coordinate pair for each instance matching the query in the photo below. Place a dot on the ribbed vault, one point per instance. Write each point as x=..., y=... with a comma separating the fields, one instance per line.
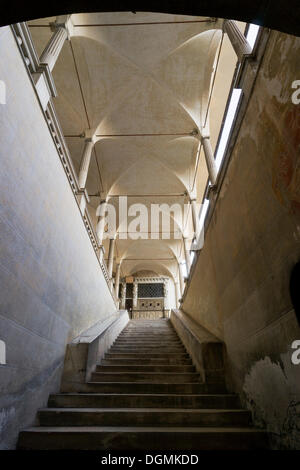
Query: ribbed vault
x=143, y=86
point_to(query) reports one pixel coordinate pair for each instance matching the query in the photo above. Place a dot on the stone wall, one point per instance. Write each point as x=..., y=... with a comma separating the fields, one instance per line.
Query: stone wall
x=147, y=314
x=51, y=284
x=240, y=287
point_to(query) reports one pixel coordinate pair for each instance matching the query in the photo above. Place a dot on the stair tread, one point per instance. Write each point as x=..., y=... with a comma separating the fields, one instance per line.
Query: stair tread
x=144, y=410
x=146, y=429
x=144, y=368
x=145, y=394
x=116, y=364
x=143, y=373
x=149, y=383
x=132, y=354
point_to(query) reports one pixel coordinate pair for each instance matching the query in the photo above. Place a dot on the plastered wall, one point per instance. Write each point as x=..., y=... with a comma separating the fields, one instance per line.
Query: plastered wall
x=240, y=287
x=51, y=285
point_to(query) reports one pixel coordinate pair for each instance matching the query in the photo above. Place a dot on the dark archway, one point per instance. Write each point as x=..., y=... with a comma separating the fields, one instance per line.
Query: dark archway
x=275, y=14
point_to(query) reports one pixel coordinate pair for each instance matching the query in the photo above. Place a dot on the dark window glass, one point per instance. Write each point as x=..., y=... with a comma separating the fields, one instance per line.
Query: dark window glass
x=129, y=291
x=151, y=290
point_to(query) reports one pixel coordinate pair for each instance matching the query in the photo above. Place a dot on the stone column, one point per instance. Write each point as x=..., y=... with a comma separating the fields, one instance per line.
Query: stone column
x=111, y=251
x=62, y=31
x=177, y=291
x=166, y=293
x=187, y=255
x=123, y=296
x=181, y=280
x=135, y=294
x=117, y=281
x=237, y=38
x=195, y=216
x=210, y=160
x=101, y=222
x=85, y=162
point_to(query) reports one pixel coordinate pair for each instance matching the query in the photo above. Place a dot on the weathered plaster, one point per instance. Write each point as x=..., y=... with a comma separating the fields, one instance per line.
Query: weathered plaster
x=272, y=393
x=240, y=286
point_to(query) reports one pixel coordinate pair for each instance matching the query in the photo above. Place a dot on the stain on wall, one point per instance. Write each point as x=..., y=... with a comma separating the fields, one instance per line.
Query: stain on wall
x=272, y=393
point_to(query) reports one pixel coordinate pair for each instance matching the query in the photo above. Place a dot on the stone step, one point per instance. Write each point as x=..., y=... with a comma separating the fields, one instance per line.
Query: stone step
x=160, y=322
x=147, y=340
x=142, y=417
x=144, y=350
x=149, y=361
x=140, y=356
x=150, y=321
x=157, y=330
x=150, y=330
x=131, y=339
x=145, y=377
x=139, y=352
x=141, y=438
x=147, y=345
x=161, y=343
x=160, y=331
x=160, y=325
x=148, y=335
x=163, y=346
x=100, y=400
x=144, y=368
x=152, y=387
x=139, y=335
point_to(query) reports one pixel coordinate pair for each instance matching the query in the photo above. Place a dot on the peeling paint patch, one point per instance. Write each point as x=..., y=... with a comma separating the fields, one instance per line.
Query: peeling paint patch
x=273, y=396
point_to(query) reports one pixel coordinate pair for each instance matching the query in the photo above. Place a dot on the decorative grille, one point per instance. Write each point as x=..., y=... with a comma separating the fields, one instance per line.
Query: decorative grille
x=150, y=290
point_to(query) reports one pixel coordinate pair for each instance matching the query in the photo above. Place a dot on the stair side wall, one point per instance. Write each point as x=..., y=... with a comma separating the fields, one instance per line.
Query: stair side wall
x=240, y=285
x=205, y=349
x=51, y=284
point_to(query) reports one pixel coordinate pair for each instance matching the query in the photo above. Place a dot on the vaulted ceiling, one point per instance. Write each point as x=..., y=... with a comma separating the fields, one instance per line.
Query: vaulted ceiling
x=142, y=83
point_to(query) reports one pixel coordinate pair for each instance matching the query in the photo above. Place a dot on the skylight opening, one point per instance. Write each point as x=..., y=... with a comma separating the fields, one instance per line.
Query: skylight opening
x=230, y=117
x=252, y=34
x=183, y=269
x=203, y=212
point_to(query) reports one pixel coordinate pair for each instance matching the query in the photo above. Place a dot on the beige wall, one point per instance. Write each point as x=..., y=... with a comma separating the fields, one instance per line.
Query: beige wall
x=240, y=287
x=51, y=285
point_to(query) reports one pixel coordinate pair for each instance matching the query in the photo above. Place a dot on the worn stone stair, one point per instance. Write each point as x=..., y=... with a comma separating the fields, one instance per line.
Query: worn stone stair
x=145, y=395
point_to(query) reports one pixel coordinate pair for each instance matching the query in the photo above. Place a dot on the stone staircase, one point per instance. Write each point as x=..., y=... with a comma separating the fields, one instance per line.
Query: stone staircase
x=145, y=395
